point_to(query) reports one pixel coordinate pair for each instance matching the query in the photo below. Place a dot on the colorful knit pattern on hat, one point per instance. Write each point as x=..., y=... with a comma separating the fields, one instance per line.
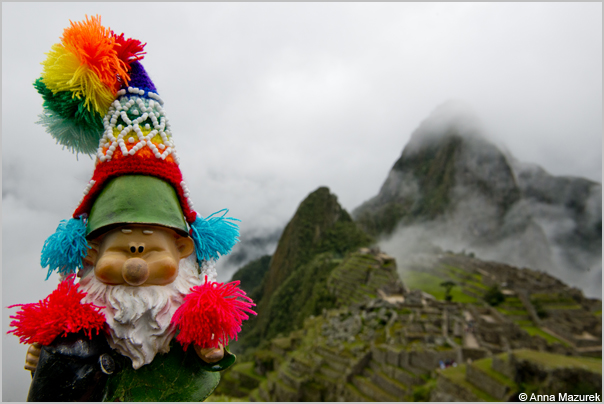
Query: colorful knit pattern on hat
x=137, y=140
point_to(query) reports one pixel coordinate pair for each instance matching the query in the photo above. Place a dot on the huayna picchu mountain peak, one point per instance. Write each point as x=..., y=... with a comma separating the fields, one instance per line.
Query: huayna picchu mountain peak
x=292, y=284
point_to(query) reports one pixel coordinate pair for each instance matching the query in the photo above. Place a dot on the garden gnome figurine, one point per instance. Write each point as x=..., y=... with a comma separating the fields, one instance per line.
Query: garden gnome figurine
x=145, y=258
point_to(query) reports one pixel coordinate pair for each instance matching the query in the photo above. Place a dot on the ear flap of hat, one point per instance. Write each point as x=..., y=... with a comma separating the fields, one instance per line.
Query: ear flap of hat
x=136, y=199
x=63, y=251
x=214, y=236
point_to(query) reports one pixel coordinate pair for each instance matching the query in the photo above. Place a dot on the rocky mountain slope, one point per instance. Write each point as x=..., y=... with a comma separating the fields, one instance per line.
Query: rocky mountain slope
x=454, y=189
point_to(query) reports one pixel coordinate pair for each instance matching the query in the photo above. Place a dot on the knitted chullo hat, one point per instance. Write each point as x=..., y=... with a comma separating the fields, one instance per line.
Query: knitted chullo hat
x=98, y=99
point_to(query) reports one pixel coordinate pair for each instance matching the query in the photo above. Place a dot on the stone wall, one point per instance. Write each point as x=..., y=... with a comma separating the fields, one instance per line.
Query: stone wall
x=452, y=389
x=502, y=365
x=474, y=353
x=430, y=360
x=487, y=384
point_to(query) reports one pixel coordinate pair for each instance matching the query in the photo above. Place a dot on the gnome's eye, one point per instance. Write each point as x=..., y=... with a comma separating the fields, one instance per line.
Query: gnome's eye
x=133, y=249
x=141, y=249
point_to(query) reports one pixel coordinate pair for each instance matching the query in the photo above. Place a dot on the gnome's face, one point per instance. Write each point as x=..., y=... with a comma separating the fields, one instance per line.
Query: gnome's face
x=140, y=255
x=141, y=275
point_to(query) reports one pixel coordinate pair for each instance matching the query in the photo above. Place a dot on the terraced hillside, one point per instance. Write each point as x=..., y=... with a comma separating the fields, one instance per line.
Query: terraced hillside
x=502, y=377
x=384, y=341
x=533, y=303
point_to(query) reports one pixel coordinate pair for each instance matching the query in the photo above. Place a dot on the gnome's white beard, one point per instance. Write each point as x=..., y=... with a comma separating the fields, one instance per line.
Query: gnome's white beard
x=139, y=317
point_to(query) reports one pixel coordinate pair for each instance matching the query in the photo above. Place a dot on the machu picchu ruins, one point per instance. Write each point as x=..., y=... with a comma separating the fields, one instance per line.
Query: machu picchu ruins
x=386, y=340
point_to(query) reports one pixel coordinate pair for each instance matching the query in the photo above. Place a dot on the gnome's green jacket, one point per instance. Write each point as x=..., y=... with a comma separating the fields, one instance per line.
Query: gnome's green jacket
x=76, y=368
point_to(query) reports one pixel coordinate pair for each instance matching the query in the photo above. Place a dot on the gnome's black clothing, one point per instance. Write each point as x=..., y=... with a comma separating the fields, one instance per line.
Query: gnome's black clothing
x=77, y=368
x=69, y=369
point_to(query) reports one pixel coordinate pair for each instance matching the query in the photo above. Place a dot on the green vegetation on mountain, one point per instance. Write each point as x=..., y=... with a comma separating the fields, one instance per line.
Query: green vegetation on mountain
x=431, y=282
x=303, y=294
x=493, y=296
x=319, y=225
x=251, y=276
x=448, y=285
x=552, y=361
x=433, y=167
x=425, y=183
x=384, y=219
x=294, y=285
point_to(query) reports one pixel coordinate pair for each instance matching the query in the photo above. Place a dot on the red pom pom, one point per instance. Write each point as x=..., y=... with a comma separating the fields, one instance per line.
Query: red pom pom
x=128, y=50
x=60, y=312
x=211, y=314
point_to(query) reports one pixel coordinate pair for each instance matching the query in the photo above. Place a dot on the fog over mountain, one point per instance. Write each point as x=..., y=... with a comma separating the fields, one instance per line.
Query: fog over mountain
x=253, y=243
x=455, y=189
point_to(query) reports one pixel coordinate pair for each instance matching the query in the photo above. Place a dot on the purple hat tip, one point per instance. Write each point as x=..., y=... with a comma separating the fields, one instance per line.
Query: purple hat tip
x=139, y=77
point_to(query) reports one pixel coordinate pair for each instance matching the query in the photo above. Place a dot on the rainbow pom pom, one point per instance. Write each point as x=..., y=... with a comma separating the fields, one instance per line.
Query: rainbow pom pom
x=80, y=80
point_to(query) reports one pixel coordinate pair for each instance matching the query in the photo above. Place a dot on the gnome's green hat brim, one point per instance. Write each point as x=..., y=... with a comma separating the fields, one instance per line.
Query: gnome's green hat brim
x=136, y=199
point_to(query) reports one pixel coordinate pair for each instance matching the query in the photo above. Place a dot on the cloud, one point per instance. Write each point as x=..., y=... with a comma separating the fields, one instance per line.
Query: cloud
x=268, y=101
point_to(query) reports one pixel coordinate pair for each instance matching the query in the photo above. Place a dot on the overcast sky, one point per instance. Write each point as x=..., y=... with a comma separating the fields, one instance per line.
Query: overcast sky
x=270, y=101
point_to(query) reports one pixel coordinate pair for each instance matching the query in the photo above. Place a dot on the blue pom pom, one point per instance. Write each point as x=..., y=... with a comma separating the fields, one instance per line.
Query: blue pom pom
x=214, y=235
x=64, y=250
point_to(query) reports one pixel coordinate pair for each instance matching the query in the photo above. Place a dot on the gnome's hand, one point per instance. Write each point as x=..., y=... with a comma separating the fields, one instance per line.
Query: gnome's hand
x=210, y=355
x=33, y=356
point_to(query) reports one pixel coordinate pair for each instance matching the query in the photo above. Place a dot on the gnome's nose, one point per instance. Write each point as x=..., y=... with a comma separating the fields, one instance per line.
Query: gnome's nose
x=135, y=271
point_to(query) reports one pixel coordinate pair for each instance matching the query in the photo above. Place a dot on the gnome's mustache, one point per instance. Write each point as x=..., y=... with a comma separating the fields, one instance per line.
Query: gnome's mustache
x=139, y=317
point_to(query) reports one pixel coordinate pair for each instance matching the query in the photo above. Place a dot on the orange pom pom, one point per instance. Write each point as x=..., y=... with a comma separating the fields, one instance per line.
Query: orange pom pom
x=95, y=46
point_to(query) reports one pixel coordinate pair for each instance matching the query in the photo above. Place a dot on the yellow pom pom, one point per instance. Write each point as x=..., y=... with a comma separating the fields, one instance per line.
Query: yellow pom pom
x=64, y=72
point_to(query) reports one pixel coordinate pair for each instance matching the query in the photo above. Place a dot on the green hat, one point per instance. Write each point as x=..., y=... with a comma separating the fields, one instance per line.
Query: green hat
x=136, y=199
